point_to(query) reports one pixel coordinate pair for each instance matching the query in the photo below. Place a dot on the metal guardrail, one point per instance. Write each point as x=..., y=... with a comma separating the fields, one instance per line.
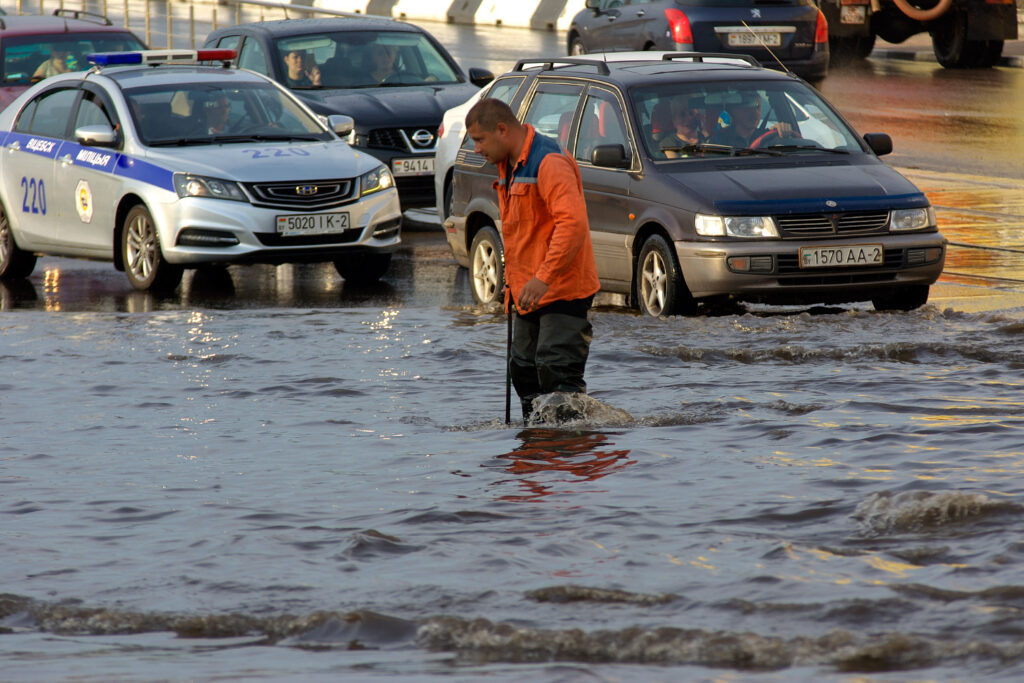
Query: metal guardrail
x=176, y=24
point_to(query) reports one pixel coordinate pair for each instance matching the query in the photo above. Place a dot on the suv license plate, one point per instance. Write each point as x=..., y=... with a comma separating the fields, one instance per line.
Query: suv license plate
x=850, y=255
x=418, y=166
x=312, y=224
x=751, y=39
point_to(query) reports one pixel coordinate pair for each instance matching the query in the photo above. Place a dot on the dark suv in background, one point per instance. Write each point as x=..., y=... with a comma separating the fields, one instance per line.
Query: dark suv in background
x=797, y=209
x=793, y=32
x=397, y=115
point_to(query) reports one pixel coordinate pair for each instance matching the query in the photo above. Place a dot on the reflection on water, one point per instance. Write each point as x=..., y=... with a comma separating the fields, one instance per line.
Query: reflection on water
x=547, y=453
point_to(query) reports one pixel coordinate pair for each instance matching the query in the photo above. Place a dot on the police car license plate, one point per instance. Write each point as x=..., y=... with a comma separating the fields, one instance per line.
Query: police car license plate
x=417, y=166
x=313, y=223
x=849, y=255
x=748, y=39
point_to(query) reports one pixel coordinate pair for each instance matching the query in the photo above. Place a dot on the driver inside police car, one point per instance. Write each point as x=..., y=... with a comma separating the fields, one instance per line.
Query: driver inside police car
x=217, y=110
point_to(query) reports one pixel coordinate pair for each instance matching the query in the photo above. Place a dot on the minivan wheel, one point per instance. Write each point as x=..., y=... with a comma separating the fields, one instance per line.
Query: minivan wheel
x=363, y=269
x=15, y=264
x=659, y=284
x=143, y=259
x=487, y=266
x=903, y=299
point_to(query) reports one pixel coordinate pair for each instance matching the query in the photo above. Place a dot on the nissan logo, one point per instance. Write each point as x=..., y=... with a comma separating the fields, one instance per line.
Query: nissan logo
x=306, y=190
x=423, y=137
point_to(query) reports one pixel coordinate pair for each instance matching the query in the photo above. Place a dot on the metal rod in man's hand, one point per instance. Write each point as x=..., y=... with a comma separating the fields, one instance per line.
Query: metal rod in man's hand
x=508, y=370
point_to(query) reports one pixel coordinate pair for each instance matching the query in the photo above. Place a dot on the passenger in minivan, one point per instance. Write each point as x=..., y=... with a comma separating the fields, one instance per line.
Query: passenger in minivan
x=687, y=127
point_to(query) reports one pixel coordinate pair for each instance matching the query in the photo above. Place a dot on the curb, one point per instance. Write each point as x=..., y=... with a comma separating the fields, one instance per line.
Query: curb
x=1014, y=61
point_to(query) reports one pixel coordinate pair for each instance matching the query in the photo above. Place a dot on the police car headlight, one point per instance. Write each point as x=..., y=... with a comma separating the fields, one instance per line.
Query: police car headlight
x=735, y=226
x=912, y=219
x=376, y=180
x=189, y=185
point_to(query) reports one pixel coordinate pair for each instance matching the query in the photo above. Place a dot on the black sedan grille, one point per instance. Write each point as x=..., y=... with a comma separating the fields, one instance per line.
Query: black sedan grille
x=833, y=224
x=416, y=140
x=312, y=195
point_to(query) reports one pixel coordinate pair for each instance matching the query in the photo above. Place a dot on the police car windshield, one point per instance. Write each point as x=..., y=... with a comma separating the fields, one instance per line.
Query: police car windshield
x=215, y=113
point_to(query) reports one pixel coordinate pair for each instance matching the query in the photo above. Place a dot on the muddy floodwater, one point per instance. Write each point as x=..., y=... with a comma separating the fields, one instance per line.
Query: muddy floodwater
x=204, y=492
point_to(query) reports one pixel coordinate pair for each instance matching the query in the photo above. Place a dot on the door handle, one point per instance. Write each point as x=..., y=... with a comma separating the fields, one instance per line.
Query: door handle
x=66, y=160
x=641, y=13
x=14, y=146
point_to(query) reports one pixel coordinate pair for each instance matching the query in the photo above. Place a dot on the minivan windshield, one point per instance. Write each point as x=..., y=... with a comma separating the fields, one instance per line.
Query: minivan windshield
x=211, y=113
x=690, y=120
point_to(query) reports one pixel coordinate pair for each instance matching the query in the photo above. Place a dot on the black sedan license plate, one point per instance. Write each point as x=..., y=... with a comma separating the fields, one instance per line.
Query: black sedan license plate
x=847, y=255
x=312, y=223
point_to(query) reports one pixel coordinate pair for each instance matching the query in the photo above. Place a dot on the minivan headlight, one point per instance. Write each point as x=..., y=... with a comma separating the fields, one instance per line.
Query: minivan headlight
x=189, y=185
x=912, y=219
x=376, y=180
x=735, y=226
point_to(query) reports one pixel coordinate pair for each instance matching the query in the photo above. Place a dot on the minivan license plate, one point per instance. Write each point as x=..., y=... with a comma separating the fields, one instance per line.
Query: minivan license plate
x=848, y=255
x=313, y=223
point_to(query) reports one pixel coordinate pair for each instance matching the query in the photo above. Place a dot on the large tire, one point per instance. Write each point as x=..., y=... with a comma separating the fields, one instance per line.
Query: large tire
x=953, y=50
x=850, y=49
x=363, y=269
x=143, y=259
x=15, y=264
x=487, y=266
x=903, y=299
x=660, y=289
x=576, y=47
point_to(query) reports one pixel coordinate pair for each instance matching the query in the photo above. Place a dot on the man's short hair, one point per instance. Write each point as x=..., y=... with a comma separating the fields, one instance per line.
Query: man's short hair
x=488, y=113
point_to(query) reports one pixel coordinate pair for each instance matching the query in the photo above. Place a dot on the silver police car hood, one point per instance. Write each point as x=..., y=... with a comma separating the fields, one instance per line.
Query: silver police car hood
x=255, y=162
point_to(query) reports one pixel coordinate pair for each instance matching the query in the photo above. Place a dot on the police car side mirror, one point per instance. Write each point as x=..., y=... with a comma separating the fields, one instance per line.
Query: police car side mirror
x=341, y=124
x=880, y=143
x=99, y=135
x=480, y=77
x=609, y=156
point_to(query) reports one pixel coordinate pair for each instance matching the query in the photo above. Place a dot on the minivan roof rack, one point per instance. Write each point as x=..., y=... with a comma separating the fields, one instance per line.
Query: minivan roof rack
x=551, y=63
x=702, y=56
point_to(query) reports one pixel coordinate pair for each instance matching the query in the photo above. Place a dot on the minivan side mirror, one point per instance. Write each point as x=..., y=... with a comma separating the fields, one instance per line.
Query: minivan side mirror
x=99, y=135
x=610, y=156
x=880, y=143
x=480, y=77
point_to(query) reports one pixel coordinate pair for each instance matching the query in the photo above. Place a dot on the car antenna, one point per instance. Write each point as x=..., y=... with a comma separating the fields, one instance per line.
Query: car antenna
x=765, y=46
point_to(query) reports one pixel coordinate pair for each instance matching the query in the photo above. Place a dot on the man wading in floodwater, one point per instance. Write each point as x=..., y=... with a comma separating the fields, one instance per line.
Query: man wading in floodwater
x=550, y=273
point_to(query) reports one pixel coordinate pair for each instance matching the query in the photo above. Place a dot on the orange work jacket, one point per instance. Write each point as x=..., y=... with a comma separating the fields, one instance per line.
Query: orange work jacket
x=544, y=226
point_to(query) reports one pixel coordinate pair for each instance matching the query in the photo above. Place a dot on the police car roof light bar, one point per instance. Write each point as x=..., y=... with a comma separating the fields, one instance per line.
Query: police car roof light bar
x=153, y=57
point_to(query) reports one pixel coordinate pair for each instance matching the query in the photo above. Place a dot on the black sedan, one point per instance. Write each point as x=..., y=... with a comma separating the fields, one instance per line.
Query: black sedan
x=783, y=34
x=393, y=78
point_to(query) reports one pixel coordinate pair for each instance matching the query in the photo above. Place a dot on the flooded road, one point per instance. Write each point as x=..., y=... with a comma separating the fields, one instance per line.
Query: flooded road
x=272, y=476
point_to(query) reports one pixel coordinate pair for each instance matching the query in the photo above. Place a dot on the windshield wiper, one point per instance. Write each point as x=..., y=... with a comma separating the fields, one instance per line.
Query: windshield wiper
x=751, y=151
x=261, y=137
x=179, y=142
x=701, y=147
x=810, y=148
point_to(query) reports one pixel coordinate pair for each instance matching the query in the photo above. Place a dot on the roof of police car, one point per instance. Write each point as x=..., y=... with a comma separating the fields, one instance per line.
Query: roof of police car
x=26, y=25
x=139, y=75
x=298, y=27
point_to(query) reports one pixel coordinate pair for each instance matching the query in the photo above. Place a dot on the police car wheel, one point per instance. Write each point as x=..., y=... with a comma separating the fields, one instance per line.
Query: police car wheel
x=363, y=269
x=15, y=264
x=144, y=262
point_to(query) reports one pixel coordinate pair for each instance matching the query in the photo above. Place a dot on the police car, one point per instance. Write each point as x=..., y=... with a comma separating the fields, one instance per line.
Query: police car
x=158, y=163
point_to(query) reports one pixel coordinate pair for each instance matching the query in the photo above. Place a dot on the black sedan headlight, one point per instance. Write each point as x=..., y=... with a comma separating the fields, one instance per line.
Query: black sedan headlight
x=189, y=185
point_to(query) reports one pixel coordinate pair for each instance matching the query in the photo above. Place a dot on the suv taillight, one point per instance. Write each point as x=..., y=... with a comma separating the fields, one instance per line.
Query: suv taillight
x=679, y=26
x=821, y=29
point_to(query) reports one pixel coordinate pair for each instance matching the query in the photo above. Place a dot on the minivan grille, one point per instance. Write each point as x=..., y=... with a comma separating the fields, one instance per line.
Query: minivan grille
x=833, y=224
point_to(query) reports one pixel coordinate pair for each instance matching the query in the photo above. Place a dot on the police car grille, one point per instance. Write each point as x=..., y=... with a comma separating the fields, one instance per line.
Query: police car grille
x=833, y=225
x=302, y=194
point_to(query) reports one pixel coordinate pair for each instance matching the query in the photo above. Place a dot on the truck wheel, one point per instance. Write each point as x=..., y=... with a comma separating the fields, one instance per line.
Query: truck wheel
x=362, y=269
x=487, y=266
x=850, y=49
x=952, y=49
